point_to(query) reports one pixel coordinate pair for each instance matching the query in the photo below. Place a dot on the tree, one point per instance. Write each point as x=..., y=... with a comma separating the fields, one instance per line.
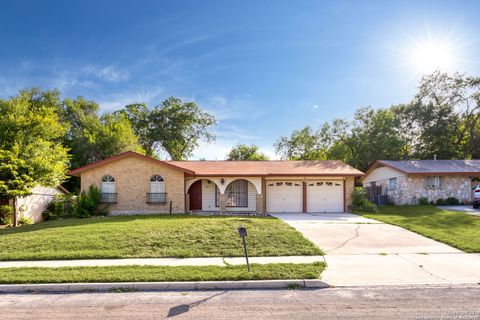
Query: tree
x=245, y=152
x=173, y=126
x=31, y=130
x=302, y=144
x=90, y=137
x=30, y=141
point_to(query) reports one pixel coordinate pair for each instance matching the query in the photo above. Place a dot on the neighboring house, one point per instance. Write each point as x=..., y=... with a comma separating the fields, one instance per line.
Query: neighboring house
x=404, y=182
x=133, y=183
x=33, y=205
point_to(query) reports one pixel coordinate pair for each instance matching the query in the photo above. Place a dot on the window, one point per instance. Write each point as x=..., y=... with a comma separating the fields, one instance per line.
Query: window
x=157, y=190
x=288, y=184
x=392, y=184
x=433, y=182
x=236, y=192
x=108, y=189
x=279, y=184
x=319, y=184
x=330, y=184
x=157, y=184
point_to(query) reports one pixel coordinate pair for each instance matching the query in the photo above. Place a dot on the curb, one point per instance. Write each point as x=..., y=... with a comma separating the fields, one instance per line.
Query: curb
x=144, y=286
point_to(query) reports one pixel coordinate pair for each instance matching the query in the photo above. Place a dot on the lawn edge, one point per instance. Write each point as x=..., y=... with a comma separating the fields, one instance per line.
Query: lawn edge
x=145, y=286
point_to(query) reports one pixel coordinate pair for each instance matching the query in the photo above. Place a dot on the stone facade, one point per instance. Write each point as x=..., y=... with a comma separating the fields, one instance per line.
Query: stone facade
x=349, y=186
x=132, y=177
x=410, y=188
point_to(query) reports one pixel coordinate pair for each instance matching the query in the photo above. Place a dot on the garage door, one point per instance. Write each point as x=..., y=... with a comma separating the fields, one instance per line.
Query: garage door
x=284, y=196
x=325, y=196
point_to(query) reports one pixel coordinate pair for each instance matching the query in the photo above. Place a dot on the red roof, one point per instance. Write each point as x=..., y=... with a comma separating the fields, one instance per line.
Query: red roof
x=243, y=168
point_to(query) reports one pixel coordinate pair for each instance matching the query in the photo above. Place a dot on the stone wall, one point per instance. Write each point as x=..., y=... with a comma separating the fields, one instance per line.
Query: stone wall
x=411, y=188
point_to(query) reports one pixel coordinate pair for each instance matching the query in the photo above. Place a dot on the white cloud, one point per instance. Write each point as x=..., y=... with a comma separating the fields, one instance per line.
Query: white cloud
x=106, y=73
x=116, y=101
x=315, y=106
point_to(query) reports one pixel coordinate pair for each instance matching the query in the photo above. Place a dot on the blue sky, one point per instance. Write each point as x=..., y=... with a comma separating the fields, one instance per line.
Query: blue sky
x=263, y=68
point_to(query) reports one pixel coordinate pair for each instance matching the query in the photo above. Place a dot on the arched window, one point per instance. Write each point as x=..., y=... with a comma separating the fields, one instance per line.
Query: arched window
x=108, y=189
x=236, y=192
x=108, y=184
x=157, y=184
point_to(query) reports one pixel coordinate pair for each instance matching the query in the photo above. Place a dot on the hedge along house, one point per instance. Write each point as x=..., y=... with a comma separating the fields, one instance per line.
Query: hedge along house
x=133, y=183
x=405, y=182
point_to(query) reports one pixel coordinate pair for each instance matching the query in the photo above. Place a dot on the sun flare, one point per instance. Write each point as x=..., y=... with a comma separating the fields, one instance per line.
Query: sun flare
x=431, y=56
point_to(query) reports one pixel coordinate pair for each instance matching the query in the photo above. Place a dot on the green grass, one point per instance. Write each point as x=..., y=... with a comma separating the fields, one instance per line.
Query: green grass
x=151, y=236
x=160, y=273
x=454, y=228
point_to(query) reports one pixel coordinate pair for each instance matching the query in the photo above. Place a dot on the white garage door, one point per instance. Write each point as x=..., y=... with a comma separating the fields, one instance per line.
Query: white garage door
x=284, y=196
x=325, y=196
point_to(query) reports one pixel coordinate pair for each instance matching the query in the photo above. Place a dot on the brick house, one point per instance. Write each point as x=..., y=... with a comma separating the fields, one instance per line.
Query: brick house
x=133, y=183
x=404, y=182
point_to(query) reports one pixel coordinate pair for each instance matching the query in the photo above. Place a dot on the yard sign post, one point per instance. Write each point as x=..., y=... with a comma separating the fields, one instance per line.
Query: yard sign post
x=242, y=232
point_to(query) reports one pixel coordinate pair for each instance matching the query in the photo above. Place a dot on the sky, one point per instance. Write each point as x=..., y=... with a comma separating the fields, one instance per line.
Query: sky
x=262, y=68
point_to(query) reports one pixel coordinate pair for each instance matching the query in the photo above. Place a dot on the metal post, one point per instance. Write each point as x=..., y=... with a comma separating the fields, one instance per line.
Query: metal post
x=246, y=254
x=171, y=207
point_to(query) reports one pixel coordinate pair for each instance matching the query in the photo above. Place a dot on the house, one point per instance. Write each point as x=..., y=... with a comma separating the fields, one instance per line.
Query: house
x=405, y=182
x=33, y=205
x=134, y=183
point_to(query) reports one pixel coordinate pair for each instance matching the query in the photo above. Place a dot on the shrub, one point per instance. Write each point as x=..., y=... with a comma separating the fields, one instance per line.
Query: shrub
x=360, y=201
x=6, y=215
x=441, y=202
x=423, y=201
x=59, y=207
x=25, y=220
x=88, y=204
x=452, y=201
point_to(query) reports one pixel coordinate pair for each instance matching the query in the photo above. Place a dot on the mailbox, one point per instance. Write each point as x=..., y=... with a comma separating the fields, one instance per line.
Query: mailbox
x=242, y=231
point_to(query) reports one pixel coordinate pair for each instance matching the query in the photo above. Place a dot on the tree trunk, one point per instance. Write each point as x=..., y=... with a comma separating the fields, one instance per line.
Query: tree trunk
x=14, y=211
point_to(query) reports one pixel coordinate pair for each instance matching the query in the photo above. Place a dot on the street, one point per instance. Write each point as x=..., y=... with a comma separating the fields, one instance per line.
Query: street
x=439, y=302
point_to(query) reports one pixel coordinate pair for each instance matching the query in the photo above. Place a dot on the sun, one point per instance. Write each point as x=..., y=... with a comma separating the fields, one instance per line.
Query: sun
x=425, y=51
x=431, y=56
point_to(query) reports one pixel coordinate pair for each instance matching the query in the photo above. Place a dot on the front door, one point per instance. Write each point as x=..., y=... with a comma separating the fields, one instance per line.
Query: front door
x=196, y=195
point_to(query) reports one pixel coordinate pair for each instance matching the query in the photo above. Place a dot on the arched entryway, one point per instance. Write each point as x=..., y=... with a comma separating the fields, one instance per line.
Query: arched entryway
x=195, y=194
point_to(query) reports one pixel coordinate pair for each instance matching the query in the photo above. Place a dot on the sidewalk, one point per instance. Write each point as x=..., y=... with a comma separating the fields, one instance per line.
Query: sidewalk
x=214, y=261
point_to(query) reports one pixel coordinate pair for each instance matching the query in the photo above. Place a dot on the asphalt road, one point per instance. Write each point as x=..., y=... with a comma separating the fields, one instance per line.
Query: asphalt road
x=458, y=302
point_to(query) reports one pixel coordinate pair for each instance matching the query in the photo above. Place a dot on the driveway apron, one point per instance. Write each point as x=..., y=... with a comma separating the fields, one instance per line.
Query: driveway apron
x=361, y=251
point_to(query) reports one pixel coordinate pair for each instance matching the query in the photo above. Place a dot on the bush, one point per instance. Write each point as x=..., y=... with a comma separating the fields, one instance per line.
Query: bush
x=441, y=202
x=423, y=201
x=88, y=204
x=452, y=201
x=360, y=201
x=6, y=215
x=25, y=220
x=59, y=207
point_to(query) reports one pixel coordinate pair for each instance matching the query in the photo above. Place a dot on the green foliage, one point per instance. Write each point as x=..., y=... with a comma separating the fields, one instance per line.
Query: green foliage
x=245, y=152
x=441, y=202
x=360, y=201
x=423, y=201
x=31, y=131
x=304, y=144
x=88, y=204
x=452, y=201
x=90, y=137
x=25, y=221
x=6, y=215
x=60, y=207
x=16, y=176
x=174, y=126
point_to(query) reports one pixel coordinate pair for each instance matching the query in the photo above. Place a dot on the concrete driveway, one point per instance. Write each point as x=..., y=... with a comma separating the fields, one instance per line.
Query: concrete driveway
x=466, y=209
x=361, y=251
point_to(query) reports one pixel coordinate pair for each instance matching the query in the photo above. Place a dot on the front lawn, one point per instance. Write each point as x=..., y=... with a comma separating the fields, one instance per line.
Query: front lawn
x=454, y=228
x=160, y=273
x=151, y=236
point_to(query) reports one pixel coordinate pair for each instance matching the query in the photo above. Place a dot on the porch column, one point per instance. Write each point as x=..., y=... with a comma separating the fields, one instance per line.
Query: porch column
x=222, y=202
x=260, y=202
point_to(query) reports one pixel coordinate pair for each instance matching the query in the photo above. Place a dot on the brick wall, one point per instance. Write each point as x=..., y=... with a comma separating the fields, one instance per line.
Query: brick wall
x=132, y=176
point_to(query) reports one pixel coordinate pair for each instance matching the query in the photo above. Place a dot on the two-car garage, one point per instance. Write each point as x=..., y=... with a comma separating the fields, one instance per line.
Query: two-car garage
x=305, y=196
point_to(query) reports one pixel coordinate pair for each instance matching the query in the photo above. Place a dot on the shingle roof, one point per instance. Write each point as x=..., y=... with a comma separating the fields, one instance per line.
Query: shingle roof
x=242, y=168
x=433, y=166
x=265, y=168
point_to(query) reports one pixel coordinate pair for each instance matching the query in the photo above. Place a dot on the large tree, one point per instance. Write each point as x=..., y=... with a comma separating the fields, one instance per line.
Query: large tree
x=246, y=152
x=174, y=126
x=31, y=142
x=91, y=137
